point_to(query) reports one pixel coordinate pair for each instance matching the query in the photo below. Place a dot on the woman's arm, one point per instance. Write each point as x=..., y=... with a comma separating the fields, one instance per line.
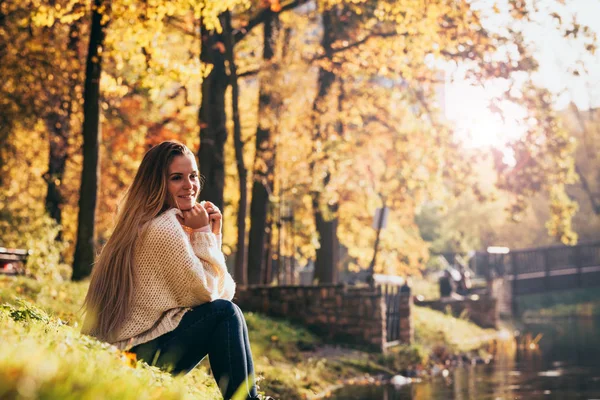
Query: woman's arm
x=193, y=271
x=226, y=285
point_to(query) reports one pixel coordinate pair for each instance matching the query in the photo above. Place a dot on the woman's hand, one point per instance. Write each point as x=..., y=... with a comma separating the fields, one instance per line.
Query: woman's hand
x=215, y=217
x=195, y=218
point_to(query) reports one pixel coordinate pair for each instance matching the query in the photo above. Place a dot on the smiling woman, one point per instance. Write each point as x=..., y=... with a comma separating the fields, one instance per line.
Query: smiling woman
x=160, y=288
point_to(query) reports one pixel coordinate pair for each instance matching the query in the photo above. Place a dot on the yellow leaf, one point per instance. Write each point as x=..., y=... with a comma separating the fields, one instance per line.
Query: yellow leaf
x=129, y=359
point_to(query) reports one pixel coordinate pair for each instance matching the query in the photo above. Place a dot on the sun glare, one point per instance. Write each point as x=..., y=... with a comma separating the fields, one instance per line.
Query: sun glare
x=478, y=126
x=468, y=106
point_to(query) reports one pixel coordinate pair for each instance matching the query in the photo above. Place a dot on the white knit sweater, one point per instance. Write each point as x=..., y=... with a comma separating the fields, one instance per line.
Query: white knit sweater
x=174, y=271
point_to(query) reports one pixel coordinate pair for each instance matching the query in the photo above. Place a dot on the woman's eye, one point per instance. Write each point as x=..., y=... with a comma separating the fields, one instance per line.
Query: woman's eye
x=194, y=176
x=175, y=178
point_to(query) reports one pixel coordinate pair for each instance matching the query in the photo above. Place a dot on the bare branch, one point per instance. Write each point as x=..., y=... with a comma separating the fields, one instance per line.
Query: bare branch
x=240, y=34
x=180, y=25
x=357, y=43
x=588, y=191
x=250, y=72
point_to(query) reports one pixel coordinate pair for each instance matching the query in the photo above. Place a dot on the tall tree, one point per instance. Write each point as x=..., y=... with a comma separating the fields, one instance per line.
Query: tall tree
x=213, y=133
x=240, y=256
x=4, y=117
x=212, y=113
x=58, y=122
x=212, y=116
x=264, y=163
x=324, y=213
x=86, y=220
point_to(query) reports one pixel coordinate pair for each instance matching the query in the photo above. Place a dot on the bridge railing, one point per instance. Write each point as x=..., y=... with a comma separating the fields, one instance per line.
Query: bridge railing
x=552, y=260
x=557, y=260
x=529, y=261
x=545, y=268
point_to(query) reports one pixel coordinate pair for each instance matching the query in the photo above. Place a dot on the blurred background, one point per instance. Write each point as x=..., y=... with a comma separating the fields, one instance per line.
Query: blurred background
x=446, y=152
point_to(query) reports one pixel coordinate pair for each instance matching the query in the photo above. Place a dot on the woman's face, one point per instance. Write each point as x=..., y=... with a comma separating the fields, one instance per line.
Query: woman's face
x=183, y=183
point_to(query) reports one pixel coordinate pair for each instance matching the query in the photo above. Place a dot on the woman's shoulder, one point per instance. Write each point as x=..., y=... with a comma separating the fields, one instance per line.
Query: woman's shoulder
x=158, y=239
x=164, y=224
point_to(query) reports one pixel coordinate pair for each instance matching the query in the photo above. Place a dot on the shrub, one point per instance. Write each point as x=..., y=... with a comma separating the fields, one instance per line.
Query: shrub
x=34, y=230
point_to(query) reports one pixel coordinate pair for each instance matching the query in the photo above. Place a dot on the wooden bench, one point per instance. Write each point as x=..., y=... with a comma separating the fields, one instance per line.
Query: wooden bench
x=12, y=261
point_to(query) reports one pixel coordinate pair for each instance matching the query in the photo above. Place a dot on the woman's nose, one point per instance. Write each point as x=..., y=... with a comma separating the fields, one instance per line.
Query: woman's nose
x=187, y=184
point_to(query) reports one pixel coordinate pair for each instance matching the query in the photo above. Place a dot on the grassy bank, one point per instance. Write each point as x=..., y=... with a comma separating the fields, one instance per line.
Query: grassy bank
x=42, y=354
x=568, y=303
x=43, y=358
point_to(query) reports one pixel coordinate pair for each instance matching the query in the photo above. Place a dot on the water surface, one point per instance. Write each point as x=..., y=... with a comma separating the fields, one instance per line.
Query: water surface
x=565, y=365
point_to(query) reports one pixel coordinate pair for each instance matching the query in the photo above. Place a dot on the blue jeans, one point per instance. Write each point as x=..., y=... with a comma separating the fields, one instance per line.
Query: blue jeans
x=218, y=329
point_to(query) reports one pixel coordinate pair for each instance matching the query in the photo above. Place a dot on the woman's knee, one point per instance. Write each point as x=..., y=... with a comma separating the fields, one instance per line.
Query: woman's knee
x=240, y=315
x=223, y=306
x=237, y=308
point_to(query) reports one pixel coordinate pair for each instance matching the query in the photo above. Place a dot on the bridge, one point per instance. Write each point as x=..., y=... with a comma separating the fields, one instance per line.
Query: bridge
x=539, y=270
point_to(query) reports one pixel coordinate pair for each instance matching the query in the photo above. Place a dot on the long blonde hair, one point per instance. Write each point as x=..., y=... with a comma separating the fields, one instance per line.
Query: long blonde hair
x=110, y=293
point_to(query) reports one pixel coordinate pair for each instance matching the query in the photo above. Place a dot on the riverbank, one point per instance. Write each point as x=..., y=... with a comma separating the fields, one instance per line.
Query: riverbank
x=579, y=303
x=43, y=352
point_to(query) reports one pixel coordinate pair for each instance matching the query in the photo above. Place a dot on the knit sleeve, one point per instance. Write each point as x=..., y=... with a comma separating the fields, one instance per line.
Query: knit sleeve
x=207, y=246
x=193, y=271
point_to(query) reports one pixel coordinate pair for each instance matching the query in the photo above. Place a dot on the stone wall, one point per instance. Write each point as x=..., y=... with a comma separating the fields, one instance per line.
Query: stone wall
x=340, y=313
x=483, y=310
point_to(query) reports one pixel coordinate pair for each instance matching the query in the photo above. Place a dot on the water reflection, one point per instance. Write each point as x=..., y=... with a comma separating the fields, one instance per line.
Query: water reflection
x=564, y=364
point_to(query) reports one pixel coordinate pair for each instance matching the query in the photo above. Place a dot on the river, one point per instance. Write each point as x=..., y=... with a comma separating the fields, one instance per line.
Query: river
x=551, y=360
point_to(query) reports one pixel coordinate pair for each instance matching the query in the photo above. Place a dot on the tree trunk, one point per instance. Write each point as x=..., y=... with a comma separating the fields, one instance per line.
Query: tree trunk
x=5, y=119
x=84, y=249
x=212, y=116
x=240, y=255
x=59, y=129
x=267, y=275
x=264, y=164
x=327, y=254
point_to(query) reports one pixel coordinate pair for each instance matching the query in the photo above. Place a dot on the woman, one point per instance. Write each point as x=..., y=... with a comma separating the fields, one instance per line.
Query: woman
x=160, y=287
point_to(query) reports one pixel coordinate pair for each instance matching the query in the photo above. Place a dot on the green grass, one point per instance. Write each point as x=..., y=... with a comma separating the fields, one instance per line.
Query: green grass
x=567, y=303
x=433, y=328
x=275, y=343
x=61, y=300
x=427, y=287
x=43, y=355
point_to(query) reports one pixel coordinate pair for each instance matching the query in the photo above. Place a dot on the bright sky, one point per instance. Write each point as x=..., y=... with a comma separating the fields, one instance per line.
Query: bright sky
x=467, y=105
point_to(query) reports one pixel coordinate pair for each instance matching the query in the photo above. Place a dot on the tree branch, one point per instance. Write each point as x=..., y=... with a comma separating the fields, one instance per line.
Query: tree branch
x=250, y=72
x=179, y=25
x=240, y=34
x=357, y=43
x=586, y=188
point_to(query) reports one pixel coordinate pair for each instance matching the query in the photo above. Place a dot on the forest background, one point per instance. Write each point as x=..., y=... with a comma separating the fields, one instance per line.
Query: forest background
x=306, y=117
